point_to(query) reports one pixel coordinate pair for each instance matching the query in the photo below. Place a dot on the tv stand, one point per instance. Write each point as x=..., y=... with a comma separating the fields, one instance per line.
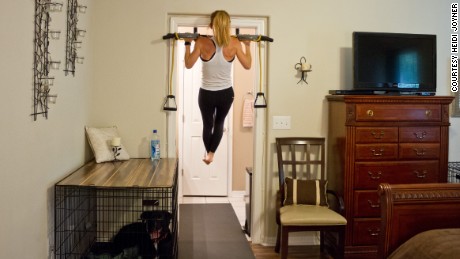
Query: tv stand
x=377, y=92
x=351, y=92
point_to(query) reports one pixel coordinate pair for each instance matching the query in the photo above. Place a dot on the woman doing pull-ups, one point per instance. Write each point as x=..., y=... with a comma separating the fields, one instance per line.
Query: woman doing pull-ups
x=216, y=93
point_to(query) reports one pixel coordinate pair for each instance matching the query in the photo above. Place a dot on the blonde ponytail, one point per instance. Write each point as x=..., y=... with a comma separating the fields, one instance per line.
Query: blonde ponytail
x=220, y=23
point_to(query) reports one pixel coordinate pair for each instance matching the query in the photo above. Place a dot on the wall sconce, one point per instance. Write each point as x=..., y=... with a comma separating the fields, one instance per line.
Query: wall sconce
x=52, y=98
x=82, y=8
x=55, y=64
x=47, y=81
x=42, y=60
x=303, y=67
x=53, y=7
x=73, y=34
x=44, y=92
x=81, y=33
x=55, y=35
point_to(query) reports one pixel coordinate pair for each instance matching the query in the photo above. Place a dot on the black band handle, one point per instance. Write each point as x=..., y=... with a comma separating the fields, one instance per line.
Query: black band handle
x=177, y=36
x=254, y=37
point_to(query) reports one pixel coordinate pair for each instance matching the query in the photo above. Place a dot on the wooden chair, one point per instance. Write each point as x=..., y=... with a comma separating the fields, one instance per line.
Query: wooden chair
x=303, y=159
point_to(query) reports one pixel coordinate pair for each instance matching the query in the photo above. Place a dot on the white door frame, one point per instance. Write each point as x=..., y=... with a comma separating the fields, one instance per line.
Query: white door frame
x=174, y=135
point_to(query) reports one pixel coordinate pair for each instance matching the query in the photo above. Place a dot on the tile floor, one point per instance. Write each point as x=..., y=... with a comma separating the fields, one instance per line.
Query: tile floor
x=238, y=204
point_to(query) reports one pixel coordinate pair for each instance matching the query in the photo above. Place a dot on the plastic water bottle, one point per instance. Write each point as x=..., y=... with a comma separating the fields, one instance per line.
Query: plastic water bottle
x=155, y=146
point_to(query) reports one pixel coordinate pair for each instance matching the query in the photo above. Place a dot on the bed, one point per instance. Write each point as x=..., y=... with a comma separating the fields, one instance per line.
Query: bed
x=420, y=220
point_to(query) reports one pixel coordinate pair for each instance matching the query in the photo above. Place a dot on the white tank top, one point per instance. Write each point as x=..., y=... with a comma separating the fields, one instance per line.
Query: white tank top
x=217, y=71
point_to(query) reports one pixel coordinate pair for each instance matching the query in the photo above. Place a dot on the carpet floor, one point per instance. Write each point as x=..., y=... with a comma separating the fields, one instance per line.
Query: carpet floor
x=210, y=231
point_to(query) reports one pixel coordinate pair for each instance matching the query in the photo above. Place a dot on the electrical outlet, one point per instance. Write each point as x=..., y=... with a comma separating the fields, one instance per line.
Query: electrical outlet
x=282, y=122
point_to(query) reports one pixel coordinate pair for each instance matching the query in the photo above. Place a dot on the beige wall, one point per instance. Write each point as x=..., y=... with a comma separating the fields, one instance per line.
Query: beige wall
x=34, y=155
x=124, y=80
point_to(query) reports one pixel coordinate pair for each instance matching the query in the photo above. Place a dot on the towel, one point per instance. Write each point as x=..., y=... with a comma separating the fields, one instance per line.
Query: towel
x=248, y=113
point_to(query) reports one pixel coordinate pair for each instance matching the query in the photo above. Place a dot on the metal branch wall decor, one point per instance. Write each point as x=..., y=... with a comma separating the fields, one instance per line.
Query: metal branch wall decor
x=74, y=35
x=42, y=60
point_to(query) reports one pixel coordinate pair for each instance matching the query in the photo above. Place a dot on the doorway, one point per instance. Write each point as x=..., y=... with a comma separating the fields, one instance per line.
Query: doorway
x=226, y=174
x=174, y=120
x=199, y=179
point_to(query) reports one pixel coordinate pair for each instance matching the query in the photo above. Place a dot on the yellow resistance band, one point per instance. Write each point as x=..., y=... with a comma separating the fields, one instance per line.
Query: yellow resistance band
x=260, y=65
x=172, y=68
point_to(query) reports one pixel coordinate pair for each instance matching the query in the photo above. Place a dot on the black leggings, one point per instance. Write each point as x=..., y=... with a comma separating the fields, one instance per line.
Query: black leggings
x=214, y=106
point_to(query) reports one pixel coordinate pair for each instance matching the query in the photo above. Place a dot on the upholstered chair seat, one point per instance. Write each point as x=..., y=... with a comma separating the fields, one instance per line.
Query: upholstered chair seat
x=308, y=215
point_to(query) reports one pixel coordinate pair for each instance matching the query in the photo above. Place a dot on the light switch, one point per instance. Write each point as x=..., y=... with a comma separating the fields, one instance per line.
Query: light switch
x=282, y=122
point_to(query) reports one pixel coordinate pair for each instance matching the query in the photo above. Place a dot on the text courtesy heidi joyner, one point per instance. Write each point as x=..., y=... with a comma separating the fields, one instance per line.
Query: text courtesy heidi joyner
x=454, y=47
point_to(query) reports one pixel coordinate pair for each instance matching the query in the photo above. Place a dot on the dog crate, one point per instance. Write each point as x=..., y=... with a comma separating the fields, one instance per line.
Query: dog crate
x=118, y=210
x=454, y=172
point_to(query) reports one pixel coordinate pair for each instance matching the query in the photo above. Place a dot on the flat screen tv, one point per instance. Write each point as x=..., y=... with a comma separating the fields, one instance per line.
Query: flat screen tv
x=394, y=62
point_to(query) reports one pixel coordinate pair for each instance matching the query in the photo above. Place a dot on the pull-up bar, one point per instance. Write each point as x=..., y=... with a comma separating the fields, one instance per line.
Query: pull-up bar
x=241, y=37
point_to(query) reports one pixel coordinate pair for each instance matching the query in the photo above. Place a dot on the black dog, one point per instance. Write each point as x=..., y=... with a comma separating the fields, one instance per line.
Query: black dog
x=153, y=230
x=160, y=234
x=134, y=235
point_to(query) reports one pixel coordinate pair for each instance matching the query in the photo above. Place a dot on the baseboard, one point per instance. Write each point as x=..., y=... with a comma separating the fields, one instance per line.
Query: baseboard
x=297, y=239
x=237, y=194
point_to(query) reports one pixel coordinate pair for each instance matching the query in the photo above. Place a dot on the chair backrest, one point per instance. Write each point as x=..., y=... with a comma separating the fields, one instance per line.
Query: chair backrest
x=300, y=158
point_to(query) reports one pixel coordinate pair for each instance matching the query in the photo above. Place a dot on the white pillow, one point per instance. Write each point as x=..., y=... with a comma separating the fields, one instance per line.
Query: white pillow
x=100, y=141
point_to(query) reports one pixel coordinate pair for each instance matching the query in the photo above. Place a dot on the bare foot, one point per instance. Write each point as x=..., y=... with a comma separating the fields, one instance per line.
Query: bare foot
x=208, y=158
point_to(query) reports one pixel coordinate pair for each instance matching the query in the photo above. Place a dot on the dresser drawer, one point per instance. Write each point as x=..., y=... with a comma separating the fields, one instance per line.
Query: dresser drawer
x=366, y=204
x=419, y=151
x=376, y=151
x=368, y=175
x=376, y=134
x=366, y=231
x=419, y=134
x=398, y=112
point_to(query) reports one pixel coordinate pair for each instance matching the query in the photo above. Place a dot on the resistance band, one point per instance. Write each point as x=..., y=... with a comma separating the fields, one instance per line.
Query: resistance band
x=170, y=100
x=262, y=102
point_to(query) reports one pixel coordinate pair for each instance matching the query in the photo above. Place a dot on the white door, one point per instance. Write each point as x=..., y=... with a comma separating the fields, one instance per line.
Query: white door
x=200, y=179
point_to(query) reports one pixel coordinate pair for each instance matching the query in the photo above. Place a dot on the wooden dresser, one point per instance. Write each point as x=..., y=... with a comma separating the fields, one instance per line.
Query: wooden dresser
x=374, y=139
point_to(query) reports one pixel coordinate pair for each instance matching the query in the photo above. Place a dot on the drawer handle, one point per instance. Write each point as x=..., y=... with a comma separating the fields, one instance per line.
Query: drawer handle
x=420, y=135
x=377, y=205
x=428, y=113
x=373, y=231
x=370, y=113
x=378, y=135
x=375, y=176
x=419, y=152
x=377, y=152
x=419, y=174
